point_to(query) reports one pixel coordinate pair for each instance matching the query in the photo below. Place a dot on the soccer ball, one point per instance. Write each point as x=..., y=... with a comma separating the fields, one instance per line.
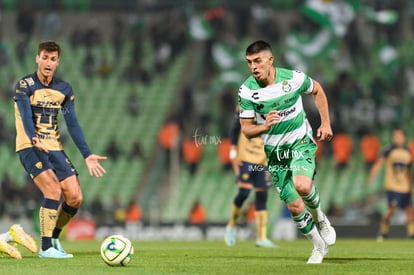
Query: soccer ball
x=116, y=250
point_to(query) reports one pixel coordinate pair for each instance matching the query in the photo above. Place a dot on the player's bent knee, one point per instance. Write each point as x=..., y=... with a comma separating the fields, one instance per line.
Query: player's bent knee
x=296, y=207
x=303, y=185
x=74, y=200
x=50, y=191
x=241, y=196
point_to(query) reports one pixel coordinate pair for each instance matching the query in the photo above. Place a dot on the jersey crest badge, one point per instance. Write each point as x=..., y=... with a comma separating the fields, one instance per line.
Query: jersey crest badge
x=39, y=165
x=22, y=84
x=286, y=87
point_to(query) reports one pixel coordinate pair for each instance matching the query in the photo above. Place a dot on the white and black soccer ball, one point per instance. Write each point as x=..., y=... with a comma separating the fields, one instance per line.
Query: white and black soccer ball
x=116, y=250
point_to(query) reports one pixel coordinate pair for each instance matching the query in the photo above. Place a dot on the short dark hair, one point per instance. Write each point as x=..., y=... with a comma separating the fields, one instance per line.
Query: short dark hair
x=49, y=46
x=398, y=128
x=257, y=47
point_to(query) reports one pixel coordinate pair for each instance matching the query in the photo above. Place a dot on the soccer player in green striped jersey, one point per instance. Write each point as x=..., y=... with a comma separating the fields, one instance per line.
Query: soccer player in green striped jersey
x=271, y=107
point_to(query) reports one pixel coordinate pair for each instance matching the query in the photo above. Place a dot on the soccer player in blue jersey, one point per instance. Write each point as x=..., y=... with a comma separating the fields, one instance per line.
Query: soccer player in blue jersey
x=250, y=167
x=396, y=159
x=271, y=107
x=38, y=99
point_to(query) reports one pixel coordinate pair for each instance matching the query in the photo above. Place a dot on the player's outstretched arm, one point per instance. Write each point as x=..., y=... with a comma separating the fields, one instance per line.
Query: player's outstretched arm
x=94, y=167
x=376, y=167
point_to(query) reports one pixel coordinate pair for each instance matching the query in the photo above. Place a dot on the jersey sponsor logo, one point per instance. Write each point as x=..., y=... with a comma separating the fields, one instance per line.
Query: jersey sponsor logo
x=47, y=104
x=30, y=81
x=287, y=112
x=46, y=136
x=22, y=84
x=255, y=95
x=286, y=87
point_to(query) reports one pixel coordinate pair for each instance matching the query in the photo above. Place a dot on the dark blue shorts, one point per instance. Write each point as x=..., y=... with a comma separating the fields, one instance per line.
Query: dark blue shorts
x=35, y=161
x=256, y=174
x=400, y=200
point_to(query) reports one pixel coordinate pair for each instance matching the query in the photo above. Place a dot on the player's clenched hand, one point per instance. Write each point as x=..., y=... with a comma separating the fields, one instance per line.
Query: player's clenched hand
x=272, y=118
x=94, y=167
x=324, y=133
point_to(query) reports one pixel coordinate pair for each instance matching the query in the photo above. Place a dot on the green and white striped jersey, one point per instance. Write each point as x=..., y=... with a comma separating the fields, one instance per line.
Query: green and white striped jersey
x=283, y=96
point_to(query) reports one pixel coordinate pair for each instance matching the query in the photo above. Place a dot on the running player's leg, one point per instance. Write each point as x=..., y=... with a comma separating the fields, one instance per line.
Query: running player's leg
x=405, y=203
x=244, y=186
x=303, y=170
x=282, y=179
x=261, y=182
x=386, y=217
x=262, y=220
x=241, y=196
x=239, y=199
x=409, y=214
x=305, y=223
x=385, y=223
x=310, y=196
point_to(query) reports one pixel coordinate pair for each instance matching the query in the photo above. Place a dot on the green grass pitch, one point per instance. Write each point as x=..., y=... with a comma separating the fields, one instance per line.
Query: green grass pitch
x=347, y=256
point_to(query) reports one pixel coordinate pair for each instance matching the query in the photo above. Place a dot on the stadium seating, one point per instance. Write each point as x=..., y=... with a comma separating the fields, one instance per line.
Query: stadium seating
x=101, y=105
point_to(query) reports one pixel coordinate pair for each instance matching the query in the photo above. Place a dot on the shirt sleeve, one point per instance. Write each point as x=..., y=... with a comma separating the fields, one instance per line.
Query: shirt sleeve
x=245, y=104
x=75, y=131
x=235, y=130
x=21, y=97
x=307, y=85
x=385, y=152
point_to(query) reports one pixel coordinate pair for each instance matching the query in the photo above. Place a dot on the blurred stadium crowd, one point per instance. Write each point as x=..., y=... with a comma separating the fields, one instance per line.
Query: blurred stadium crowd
x=190, y=56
